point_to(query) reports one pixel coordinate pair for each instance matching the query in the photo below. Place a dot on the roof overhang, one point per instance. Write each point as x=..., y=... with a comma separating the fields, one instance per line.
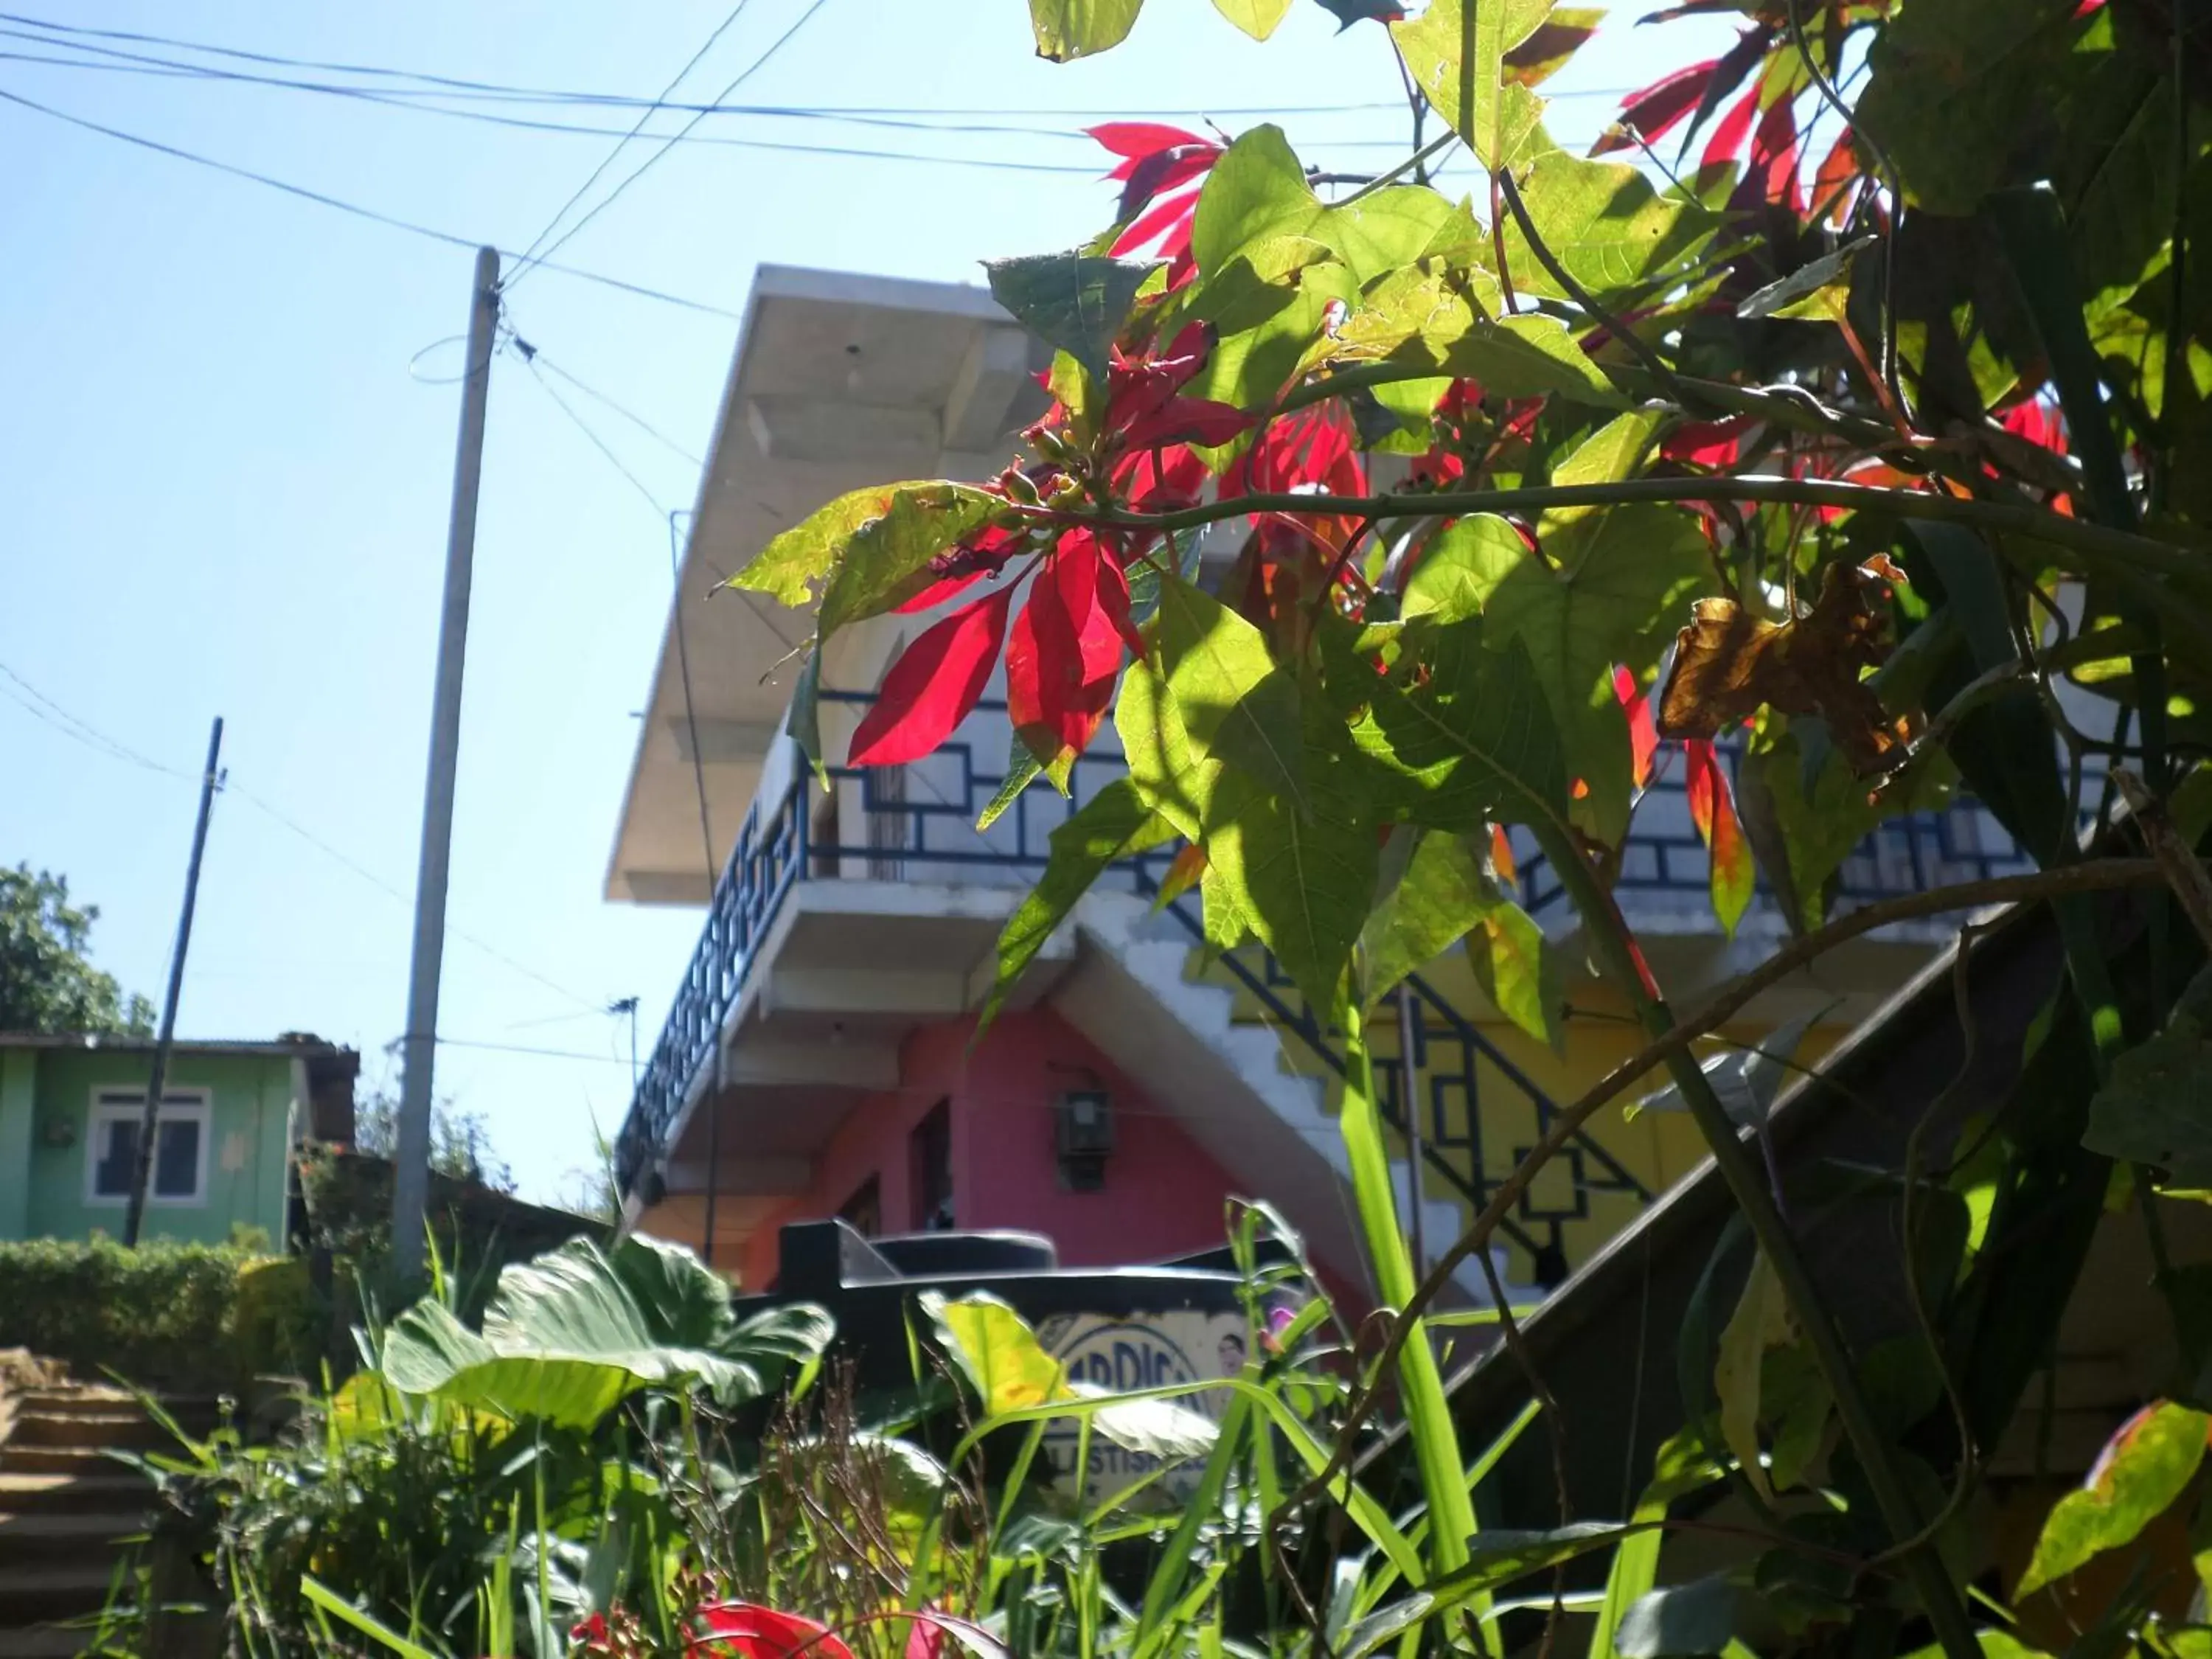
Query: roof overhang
x=838, y=382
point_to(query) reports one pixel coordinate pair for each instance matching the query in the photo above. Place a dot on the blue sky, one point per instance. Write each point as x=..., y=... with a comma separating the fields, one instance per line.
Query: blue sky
x=226, y=493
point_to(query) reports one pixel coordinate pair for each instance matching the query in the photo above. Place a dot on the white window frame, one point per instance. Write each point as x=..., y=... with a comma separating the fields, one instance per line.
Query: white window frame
x=109, y=1104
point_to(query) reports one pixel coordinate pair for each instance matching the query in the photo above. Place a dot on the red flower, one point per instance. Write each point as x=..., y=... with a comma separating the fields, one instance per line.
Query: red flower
x=1161, y=171
x=749, y=1631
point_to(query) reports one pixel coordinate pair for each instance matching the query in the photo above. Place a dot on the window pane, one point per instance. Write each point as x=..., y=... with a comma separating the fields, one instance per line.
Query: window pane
x=117, y=1149
x=177, y=1158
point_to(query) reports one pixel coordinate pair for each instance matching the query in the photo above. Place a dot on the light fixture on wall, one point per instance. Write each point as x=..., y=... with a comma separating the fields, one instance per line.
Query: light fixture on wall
x=1083, y=1135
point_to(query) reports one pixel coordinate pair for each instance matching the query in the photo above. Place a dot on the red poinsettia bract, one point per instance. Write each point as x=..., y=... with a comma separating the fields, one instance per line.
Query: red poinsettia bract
x=1161, y=171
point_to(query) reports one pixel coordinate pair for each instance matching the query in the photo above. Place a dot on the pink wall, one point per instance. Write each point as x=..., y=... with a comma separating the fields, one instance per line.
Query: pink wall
x=1163, y=1194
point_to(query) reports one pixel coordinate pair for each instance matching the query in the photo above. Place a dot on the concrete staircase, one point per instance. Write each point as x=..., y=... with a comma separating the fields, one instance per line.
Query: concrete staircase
x=1129, y=991
x=65, y=1508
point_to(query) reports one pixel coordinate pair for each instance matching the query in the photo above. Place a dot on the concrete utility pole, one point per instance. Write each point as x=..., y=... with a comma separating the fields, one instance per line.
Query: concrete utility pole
x=149, y=1125
x=410, y=1169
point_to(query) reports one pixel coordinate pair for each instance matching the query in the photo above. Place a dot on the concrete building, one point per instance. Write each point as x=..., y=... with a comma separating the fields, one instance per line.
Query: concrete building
x=817, y=1059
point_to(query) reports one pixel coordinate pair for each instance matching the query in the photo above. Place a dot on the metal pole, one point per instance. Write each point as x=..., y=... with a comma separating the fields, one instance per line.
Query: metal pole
x=149, y=1124
x=1413, y=1149
x=410, y=1171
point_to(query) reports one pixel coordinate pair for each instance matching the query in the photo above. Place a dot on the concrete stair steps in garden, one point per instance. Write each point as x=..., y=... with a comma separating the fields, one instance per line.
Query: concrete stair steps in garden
x=118, y=1494
x=41, y=1642
x=81, y=1539
x=45, y=1592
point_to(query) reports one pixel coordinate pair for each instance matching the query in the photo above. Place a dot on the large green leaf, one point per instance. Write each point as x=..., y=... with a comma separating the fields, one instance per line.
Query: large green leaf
x=1445, y=894
x=566, y=1340
x=1074, y=302
x=1430, y=317
x=2150, y=1464
x=1172, y=777
x=1761, y=1320
x=1257, y=194
x=1459, y=64
x=1067, y=29
x=1257, y=18
x=1113, y=823
x=1610, y=230
x=996, y=1351
x=867, y=551
x=1679, y=1621
x=1623, y=584
x=1237, y=704
x=1475, y=739
x=1302, y=880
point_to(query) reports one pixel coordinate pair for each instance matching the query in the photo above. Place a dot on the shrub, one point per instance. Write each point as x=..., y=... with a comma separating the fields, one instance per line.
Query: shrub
x=163, y=1316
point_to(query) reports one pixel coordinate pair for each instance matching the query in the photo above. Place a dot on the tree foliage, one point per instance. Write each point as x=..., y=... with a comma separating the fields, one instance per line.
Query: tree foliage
x=47, y=983
x=1851, y=452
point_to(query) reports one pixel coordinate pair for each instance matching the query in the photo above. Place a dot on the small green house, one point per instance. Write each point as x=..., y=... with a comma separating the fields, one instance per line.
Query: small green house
x=232, y=1117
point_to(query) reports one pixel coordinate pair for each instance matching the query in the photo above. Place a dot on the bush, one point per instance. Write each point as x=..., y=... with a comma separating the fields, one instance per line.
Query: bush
x=190, y=1316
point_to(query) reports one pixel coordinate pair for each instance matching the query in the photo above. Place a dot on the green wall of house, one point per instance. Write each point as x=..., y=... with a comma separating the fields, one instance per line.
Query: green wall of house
x=48, y=1099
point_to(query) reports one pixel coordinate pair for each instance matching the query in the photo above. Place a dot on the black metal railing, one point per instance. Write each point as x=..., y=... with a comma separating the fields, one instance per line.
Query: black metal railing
x=923, y=818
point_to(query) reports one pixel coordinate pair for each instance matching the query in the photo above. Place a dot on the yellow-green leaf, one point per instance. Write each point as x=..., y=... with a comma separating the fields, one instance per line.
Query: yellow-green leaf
x=1457, y=58
x=2148, y=1465
x=1237, y=703
x=1257, y=18
x=1067, y=29
x=1761, y=1320
x=999, y=1354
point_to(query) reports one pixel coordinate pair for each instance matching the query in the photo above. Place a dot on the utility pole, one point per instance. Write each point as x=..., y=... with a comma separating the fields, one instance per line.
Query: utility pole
x=410, y=1169
x=148, y=1125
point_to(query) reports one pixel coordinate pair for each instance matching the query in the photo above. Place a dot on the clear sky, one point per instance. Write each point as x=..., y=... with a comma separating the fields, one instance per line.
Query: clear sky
x=222, y=492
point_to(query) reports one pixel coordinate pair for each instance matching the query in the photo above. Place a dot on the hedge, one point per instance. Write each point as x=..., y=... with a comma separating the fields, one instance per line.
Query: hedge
x=178, y=1317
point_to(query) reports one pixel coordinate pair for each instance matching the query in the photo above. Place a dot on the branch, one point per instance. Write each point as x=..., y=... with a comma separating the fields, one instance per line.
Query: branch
x=2122, y=547
x=2103, y=875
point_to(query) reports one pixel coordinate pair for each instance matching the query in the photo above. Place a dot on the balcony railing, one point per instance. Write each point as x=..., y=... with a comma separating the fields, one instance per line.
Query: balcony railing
x=900, y=823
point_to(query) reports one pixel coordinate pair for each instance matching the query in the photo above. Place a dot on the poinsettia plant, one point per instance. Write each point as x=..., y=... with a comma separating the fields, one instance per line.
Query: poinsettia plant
x=1812, y=468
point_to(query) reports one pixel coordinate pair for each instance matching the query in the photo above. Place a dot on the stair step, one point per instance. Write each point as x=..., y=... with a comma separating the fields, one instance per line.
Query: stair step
x=84, y=1538
x=72, y=1494
x=40, y=1594
x=16, y=1459
x=37, y=1428
x=41, y=1642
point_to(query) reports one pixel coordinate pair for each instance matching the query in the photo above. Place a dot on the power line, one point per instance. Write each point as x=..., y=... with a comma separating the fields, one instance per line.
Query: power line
x=668, y=143
x=538, y=358
x=607, y=160
x=355, y=208
x=596, y=441
x=459, y=85
x=85, y=733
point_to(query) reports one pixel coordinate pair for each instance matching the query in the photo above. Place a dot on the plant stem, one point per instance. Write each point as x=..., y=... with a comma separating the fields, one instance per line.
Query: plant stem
x=1428, y=1412
x=1609, y=935
x=2122, y=547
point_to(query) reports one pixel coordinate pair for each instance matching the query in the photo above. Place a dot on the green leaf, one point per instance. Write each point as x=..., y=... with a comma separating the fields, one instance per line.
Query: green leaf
x=1610, y=230
x=320, y=1594
x=1679, y=1620
x=1068, y=29
x=1303, y=881
x=566, y=1339
x=1460, y=568
x=1474, y=740
x=997, y=1351
x=1519, y=970
x=1174, y=779
x=1459, y=64
x=1761, y=1320
x=1257, y=195
x=1681, y=1466
x=2150, y=1464
x=1113, y=823
x=1257, y=18
x=2152, y=1108
x=1441, y=893
x=868, y=550
x=1497, y=1558
x=1236, y=702
x=1023, y=769
x=1615, y=451
x=1430, y=316
x=1624, y=582
x=1074, y=302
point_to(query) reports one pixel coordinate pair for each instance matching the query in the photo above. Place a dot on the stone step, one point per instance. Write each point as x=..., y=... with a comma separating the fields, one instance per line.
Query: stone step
x=37, y=1428
x=42, y=1642
x=83, y=1539
x=40, y=1594
x=55, y=1460
x=114, y=1492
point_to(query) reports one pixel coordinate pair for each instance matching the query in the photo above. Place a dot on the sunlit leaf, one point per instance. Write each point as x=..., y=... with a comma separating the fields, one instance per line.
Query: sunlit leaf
x=1075, y=29
x=2148, y=1464
x=1460, y=69
x=867, y=551
x=1761, y=1320
x=1072, y=302
x=1257, y=18
x=996, y=1351
x=1609, y=227
x=1519, y=970
x=1236, y=702
x=1113, y=823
